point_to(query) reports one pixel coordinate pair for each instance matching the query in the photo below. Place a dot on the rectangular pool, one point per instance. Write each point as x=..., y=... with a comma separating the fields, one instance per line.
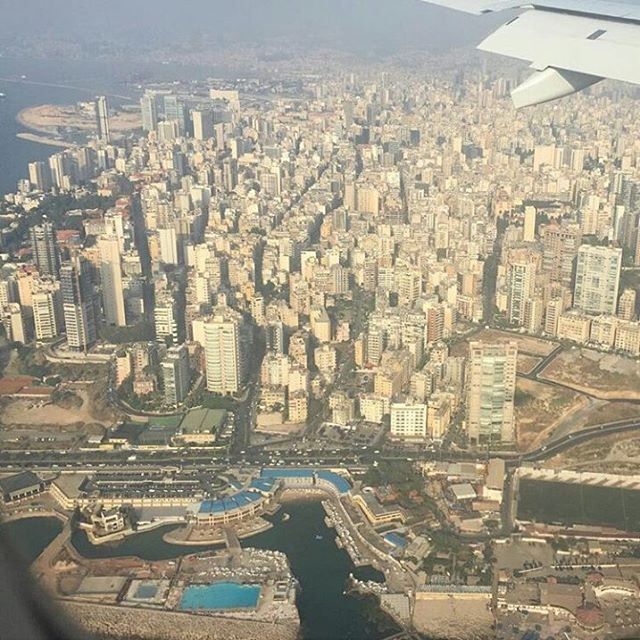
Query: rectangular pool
x=220, y=595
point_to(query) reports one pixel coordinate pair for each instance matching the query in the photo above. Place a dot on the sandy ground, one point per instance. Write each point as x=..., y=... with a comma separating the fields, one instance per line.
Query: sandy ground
x=555, y=413
x=542, y=412
x=48, y=118
x=612, y=411
x=526, y=344
x=606, y=376
x=442, y=616
x=619, y=452
x=34, y=414
x=526, y=363
x=40, y=139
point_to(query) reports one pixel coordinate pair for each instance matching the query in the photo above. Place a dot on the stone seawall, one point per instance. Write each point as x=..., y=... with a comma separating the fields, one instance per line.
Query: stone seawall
x=144, y=624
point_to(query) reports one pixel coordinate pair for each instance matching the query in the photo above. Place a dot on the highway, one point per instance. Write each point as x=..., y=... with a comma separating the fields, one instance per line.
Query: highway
x=146, y=460
x=536, y=372
x=580, y=437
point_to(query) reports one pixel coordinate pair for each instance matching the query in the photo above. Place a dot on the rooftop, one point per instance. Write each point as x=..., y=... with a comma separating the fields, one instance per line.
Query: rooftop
x=231, y=503
x=19, y=481
x=341, y=484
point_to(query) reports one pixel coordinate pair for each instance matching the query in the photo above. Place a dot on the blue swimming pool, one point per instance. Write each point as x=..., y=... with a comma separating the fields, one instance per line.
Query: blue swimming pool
x=220, y=595
x=146, y=591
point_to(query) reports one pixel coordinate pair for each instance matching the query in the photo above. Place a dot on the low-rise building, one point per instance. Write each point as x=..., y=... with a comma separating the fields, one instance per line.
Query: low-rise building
x=21, y=486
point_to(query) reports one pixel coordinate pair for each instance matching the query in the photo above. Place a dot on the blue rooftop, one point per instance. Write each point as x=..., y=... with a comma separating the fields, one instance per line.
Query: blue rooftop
x=230, y=503
x=341, y=484
x=263, y=484
x=396, y=540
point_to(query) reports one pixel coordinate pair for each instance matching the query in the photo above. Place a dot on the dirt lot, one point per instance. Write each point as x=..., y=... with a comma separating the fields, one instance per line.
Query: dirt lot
x=619, y=452
x=441, y=616
x=526, y=344
x=50, y=117
x=605, y=376
x=512, y=554
x=29, y=413
x=526, y=363
x=539, y=411
x=612, y=411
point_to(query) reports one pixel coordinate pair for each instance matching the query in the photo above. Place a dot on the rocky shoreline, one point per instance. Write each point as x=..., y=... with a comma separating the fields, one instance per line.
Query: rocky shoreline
x=146, y=624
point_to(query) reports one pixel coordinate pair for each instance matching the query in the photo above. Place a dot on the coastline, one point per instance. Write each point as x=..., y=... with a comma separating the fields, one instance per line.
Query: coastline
x=164, y=625
x=24, y=121
x=38, y=134
x=55, y=124
x=180, y=536
x=51, y=142
x=152, y=624
x=25, y=515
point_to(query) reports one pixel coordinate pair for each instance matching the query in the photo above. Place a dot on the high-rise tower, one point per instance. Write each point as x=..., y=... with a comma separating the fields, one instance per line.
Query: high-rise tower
x=102, y=119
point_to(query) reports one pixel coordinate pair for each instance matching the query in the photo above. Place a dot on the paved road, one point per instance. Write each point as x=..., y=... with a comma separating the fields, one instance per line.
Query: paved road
x=543, y=364
x=580, y=437
x=144, y=460
x=536, y=372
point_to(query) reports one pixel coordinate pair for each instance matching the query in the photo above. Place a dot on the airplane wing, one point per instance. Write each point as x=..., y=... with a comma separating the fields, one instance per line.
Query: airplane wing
x=572, y=44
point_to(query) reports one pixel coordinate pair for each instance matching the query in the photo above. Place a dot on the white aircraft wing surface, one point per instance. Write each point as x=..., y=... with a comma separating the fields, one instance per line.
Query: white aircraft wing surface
x=571, y=43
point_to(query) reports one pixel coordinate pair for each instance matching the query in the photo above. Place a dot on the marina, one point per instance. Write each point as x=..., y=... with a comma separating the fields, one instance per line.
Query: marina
x=319, y=579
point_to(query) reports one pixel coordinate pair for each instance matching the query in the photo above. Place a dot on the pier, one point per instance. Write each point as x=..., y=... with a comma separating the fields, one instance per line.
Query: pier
x=232, y=541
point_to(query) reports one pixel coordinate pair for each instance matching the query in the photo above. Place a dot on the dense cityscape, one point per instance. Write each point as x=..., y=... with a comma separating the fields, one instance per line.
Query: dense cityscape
x=373, y=301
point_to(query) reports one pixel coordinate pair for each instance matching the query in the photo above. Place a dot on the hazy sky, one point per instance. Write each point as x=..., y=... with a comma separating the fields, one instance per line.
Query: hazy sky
x=381, y=25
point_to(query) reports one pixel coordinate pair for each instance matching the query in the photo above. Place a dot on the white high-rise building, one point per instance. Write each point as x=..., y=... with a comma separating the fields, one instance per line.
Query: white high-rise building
x=529, y=224
x=597, y=279
x=225, y=352
x=202, y=124
x=149, y=110
x=46, y=315
x=102, y=119
x=111, y=276
x=168, y=245
x=13, y=323
x=40, y=175
x=408, y=421
x=491, y=392
x=166, y=324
